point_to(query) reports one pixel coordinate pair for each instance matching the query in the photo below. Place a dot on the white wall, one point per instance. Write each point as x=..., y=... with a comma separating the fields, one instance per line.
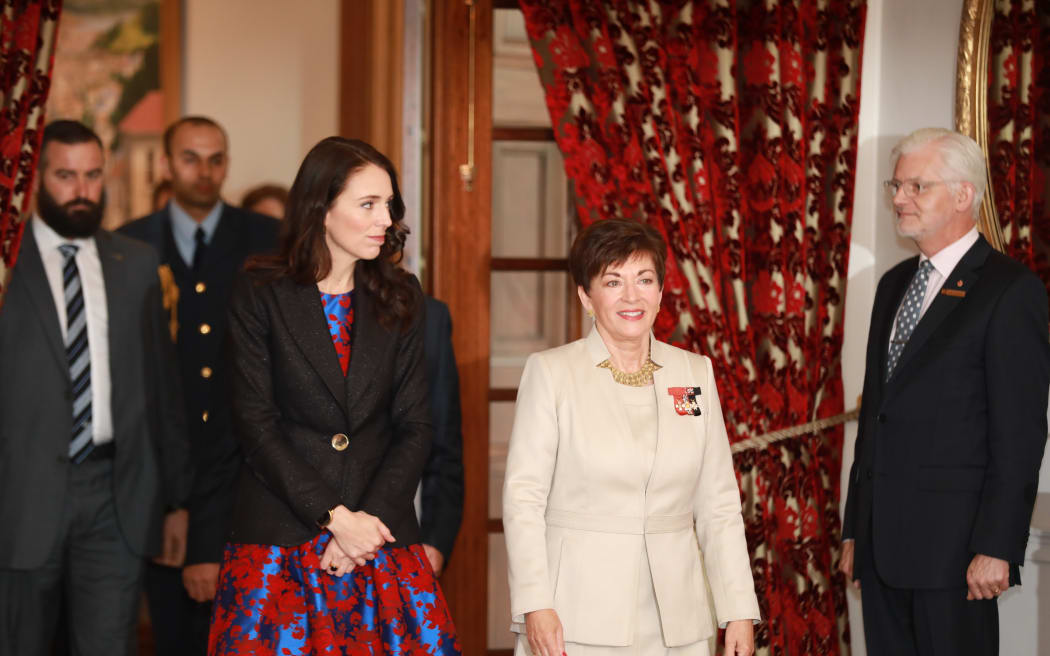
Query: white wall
x=268, y=71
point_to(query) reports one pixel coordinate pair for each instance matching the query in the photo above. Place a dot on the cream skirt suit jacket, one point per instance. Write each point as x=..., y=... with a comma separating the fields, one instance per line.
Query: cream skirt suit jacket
x=581, y=505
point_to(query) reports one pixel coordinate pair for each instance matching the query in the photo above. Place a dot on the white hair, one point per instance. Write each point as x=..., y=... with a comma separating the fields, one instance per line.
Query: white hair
x=962, y=159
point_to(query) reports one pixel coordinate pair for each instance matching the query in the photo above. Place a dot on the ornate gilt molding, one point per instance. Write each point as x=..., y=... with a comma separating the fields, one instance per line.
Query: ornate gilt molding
x=971, y=98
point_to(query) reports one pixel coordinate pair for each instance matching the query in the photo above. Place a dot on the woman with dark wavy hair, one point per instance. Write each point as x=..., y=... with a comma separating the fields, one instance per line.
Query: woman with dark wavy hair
x=329, y=405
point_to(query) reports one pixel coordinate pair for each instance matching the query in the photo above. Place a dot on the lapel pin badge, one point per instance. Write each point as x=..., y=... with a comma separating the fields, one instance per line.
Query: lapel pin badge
x=685, y=400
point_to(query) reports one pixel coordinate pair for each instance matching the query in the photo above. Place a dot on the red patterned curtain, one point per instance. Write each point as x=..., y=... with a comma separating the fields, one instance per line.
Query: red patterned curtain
x=731, y=125
x=1019, y=128
x=28, y=31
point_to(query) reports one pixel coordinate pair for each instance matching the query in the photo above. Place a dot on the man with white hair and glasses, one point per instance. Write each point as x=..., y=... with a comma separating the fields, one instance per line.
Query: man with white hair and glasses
x=953, y=419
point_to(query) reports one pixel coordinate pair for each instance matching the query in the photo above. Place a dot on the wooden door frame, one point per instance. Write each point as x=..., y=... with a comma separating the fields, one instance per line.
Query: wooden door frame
x=371, y=73
x=459, y=267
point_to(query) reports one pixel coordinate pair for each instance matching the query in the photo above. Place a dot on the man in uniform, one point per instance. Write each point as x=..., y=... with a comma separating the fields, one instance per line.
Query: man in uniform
x=205, y=242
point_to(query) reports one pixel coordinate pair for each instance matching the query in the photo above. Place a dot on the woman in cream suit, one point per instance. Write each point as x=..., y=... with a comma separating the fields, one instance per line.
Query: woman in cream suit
x=620, y=506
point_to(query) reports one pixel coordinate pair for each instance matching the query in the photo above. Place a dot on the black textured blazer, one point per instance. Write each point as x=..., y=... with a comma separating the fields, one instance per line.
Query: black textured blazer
x=312, y=438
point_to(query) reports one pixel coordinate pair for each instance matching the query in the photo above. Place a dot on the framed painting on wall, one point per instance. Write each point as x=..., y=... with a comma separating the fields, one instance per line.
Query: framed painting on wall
x=117, y=70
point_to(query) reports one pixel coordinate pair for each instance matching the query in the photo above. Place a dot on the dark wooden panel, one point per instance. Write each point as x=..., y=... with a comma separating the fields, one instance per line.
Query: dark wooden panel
x=503, y=394
x=170, y=59
x=495, y=525
x=355, y=117
x=460, y=257
x=371, y=73
x=530, y=264
x=522, y=134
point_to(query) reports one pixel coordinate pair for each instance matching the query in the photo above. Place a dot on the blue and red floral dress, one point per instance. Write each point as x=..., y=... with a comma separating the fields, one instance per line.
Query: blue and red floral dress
x=277, y=600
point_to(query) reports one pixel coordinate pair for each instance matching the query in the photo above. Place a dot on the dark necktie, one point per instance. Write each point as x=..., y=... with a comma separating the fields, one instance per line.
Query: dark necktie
x=78, y=356
x=908, y=315
x=200, y=250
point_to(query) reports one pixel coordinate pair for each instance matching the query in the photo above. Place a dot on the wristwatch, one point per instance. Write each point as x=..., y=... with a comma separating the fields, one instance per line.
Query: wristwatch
x=324, y=520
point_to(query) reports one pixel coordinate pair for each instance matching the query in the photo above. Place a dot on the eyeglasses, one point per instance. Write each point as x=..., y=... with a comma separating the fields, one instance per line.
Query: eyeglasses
x=911, y=188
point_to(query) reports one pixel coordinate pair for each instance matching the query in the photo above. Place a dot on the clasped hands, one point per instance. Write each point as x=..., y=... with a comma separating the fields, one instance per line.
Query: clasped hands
x=356, y=537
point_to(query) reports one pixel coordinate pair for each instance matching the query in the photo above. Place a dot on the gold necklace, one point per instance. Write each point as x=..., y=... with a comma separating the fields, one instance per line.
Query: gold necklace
x=640, y=378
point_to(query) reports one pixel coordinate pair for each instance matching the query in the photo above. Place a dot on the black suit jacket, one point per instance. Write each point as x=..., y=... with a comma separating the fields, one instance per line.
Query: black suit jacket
x=443, y=475
x=204, y=300
x=291, y=402
x=948, y=450
x=151, y=467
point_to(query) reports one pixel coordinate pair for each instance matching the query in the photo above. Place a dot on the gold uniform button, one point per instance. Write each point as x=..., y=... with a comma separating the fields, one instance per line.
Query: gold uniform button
x=204, y=416
x=205, y=329
x=206, y=372
x=200, y=287
x=340, y=442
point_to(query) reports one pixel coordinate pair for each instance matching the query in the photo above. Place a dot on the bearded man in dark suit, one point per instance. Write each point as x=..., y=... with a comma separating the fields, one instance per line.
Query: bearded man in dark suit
x=92, y=435
x=204, y=242
x=953, y=418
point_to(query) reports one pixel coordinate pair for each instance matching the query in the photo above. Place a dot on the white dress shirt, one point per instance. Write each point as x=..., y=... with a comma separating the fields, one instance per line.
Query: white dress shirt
x=944, y=262
x=93, y=287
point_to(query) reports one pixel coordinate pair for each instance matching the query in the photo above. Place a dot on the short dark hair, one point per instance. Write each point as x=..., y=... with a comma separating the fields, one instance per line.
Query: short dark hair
x=66, y=132
x=262, y=192
x=169, y=134
x=612, y=242
x=303, y=253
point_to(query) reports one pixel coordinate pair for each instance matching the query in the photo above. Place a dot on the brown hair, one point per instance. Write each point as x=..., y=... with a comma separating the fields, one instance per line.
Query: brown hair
x=612, y=242
x=159, y=189
x=303, y=254
x=262, y=192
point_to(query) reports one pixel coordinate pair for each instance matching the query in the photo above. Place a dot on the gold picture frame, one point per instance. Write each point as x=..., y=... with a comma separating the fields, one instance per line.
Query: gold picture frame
x=118, y=70
x=971, y=100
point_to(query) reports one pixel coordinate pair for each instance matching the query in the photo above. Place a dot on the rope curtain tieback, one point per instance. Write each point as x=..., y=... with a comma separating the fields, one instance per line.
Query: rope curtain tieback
x=766, y=439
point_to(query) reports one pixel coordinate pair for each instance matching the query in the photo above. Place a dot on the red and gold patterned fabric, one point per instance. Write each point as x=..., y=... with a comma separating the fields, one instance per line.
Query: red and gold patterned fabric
x=1019, y=130
x=27, y=47
x=731, y=126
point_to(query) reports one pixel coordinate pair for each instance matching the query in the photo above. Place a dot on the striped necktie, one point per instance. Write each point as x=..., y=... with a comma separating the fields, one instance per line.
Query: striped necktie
x=78, y=356
x=908, y=314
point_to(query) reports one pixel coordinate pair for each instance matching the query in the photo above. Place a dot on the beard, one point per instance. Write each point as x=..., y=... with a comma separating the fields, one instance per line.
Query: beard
x=77, y=219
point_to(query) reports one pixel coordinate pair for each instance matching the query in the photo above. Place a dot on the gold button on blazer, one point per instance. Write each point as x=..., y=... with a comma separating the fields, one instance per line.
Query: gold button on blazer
x=579, y=504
